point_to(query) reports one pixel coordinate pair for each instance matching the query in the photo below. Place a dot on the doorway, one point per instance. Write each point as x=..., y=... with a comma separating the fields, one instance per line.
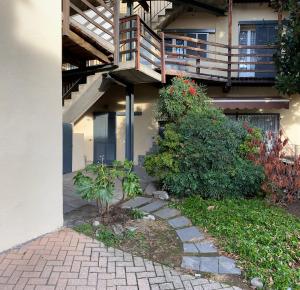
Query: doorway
x=105, y=137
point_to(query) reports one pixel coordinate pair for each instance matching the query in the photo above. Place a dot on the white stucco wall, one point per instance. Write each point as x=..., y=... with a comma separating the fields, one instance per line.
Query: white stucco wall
x=31, y=118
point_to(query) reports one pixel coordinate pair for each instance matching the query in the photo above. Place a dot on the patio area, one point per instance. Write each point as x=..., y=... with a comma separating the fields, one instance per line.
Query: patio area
x=68, y=260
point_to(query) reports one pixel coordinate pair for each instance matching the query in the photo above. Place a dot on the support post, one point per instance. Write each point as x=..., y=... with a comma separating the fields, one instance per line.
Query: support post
x=162, y=58
x=117, y=32
x=66, y=17
x=129, y=140
x=229, y=42
x=280, y=12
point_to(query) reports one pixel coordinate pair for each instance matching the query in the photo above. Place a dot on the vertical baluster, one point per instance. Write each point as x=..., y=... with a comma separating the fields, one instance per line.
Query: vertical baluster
x=138, y=43
x=162, y=61
x=229, y=42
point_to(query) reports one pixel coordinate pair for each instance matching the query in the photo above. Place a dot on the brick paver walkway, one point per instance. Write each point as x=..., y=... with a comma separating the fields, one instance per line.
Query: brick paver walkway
x=68, y=260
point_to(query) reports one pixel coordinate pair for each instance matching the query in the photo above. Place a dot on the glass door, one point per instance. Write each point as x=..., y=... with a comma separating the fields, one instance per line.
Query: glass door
x=247, y=37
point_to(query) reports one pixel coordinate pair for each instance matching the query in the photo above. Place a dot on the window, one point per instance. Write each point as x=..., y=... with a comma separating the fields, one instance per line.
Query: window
x=179, y=50
x=266, y=122
x=257, y=33
x=247, y=37
x=182, y=52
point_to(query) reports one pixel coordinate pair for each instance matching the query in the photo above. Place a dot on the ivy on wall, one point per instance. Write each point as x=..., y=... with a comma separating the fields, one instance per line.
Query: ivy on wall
x=287, y=58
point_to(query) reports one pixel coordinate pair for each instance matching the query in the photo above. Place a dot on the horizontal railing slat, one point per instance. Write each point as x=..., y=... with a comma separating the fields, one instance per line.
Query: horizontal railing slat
x=99, y=13
x=75, y=8
x=190, y=39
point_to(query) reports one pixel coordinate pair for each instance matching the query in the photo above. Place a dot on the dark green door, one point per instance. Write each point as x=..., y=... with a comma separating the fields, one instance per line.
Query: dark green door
x=105, y=137
x=67, y=147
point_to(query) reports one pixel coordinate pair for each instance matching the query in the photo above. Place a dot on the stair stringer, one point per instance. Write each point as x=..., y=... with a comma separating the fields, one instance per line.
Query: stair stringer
x=88, y=94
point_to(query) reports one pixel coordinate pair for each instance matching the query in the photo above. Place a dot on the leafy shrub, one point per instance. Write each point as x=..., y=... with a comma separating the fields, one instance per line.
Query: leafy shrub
x=287, y=58
x=131, y=182
x=282, y=173
x=97, y=182
x=251, y=145
x=180, y=97
x=199, y=152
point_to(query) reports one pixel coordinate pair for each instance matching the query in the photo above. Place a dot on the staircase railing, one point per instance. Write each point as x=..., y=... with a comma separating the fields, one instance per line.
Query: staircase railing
x=99, y=21
x=140, y=44
x=155, y=8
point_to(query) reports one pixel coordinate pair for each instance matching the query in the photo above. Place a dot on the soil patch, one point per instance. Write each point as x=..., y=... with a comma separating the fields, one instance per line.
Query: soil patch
x=294, y=208
x=156, y=241
x=153, y=240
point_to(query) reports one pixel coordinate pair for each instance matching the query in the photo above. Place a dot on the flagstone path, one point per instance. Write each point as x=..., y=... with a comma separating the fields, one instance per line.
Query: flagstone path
x=199, y=253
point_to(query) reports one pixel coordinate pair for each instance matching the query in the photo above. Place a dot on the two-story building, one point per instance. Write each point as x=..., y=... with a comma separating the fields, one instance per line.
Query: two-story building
x=226, y=45
x=111, y=58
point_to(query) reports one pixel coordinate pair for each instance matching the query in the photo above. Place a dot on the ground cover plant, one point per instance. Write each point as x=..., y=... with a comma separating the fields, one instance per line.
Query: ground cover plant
x=264, y=238
x=200, y=150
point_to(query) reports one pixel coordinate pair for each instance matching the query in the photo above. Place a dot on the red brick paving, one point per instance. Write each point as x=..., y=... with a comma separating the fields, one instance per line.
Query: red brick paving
x=68, y=260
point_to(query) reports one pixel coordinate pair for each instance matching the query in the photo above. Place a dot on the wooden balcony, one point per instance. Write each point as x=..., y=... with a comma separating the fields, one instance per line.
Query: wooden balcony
x=219, y=62
x=92, y=30
x=141, y=52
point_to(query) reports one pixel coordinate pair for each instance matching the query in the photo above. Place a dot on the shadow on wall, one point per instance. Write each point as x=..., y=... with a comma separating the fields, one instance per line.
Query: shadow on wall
x=290, y=120
x=31, y=118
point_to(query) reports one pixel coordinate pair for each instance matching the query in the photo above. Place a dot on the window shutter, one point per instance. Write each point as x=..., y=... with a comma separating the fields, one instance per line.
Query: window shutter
x=266, y=33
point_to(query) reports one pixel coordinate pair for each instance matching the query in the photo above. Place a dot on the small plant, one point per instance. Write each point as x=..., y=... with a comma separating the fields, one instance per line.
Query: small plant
x=130, y=181
x=131, y=184
x=86, y=229
x=108, y=237
x=97, y=182
x=136, y=214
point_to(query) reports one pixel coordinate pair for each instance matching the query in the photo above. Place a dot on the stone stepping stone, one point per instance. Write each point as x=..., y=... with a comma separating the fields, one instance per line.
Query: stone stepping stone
x=228, y=266
x=153, y=206
x=209, y=264
x=190, y=248
x=179, y=222
x=191, y=263
x=217, y=265
x=190, y=234
x=167, y=213
x=136, y=202
x=206, y=248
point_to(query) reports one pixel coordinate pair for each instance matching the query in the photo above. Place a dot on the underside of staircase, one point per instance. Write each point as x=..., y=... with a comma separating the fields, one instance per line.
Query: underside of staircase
x=86, y=96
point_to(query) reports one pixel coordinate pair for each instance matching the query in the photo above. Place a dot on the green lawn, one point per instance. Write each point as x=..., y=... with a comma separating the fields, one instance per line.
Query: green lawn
x=265, y=238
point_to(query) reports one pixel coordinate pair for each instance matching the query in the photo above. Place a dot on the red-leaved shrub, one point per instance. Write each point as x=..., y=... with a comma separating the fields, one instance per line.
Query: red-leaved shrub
x=281, y=166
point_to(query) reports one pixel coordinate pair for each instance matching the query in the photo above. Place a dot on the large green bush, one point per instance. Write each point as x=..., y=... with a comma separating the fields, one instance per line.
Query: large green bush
x=200, y=149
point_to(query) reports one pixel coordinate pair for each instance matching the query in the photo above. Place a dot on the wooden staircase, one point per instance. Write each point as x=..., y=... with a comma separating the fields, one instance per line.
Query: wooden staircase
x=87, y=95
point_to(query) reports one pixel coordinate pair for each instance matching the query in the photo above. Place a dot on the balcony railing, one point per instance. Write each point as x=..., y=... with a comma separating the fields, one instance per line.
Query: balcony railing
x=131, y=40
x=216, y=61
x=140, y=44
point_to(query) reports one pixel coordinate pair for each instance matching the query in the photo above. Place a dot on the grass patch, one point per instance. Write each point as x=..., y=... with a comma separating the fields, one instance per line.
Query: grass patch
x=104, y=234
x=86, y=229
x=265, y=238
